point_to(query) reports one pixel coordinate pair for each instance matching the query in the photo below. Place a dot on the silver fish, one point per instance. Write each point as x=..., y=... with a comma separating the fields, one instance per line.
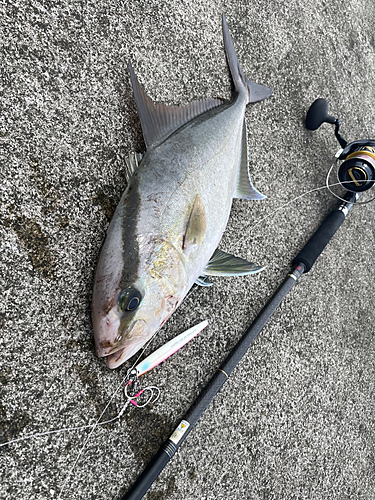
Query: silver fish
x=166, y=229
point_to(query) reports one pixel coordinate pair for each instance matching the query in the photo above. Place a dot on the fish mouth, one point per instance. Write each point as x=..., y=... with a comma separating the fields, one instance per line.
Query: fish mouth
x=119, y=357
x=112, y=341
x=114, y=360
x=132, y=340
x=106, y=330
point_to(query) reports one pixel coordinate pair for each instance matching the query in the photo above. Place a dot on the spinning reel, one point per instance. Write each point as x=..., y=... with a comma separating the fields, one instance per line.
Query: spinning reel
x=355, y=161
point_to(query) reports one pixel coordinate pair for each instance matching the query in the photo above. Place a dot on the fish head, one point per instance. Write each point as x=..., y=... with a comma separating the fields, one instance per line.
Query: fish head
x=141, y=301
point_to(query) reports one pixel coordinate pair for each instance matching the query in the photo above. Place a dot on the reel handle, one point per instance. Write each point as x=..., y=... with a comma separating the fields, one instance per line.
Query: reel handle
x=318, y=114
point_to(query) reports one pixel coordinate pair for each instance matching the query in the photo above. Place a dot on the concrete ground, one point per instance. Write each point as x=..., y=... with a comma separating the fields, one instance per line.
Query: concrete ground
x=296, y=419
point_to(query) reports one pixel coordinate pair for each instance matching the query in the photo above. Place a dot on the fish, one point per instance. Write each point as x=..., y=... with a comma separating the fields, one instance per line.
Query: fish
x=166, y=229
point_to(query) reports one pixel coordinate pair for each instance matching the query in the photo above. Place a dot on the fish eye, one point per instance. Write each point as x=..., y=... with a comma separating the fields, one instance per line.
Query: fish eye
x=130, y=299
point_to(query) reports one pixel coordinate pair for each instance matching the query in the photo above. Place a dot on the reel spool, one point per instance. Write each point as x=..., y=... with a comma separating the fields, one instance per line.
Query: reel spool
x=357, y=172
x=355, y=162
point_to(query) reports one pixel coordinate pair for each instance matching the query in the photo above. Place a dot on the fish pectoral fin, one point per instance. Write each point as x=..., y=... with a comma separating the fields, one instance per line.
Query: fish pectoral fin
x=132, y=162
x=197, y=224
x=159, y=121
x=203, y=281
x=225, y=264
x=245, y=188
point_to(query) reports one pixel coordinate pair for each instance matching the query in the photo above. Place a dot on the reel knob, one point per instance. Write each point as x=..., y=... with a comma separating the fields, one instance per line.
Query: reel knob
x=318, y=114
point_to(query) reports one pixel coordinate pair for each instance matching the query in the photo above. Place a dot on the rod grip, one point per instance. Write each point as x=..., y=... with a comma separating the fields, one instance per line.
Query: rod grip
x=152, y=471
x=317, y=243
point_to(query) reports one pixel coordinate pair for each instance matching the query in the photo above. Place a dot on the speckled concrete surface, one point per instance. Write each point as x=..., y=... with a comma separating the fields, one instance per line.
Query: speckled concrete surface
x=296, y=420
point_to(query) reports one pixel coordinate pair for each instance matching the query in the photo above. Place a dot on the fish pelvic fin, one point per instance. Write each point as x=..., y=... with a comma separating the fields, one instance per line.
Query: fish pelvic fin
x=255, y=91
x=225, y=264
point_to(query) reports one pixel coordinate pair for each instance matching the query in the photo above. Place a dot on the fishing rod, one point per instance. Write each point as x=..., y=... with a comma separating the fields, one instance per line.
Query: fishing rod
x=356, y=172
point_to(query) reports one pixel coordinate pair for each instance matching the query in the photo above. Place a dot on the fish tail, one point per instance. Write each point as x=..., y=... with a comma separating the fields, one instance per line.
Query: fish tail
x=255, y=92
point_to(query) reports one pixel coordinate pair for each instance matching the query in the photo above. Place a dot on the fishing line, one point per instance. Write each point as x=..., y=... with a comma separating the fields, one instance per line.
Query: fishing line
x=126, y=378
x=345, y=182
x=151, y=399
x=272, y=214
x=120, y=414
x=192, y=291
x=64, y=429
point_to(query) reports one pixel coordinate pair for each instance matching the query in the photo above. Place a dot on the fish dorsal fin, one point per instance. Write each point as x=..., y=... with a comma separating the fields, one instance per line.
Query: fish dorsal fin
x=131, y=164
x=225, y=264
x=197, y=224
x=245, y=188
x=158, y=120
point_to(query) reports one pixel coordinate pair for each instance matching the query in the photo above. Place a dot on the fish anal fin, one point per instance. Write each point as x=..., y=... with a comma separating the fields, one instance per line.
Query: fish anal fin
x=225, y=264
x=197, y=224
x=158, y=120
x=245, y=188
